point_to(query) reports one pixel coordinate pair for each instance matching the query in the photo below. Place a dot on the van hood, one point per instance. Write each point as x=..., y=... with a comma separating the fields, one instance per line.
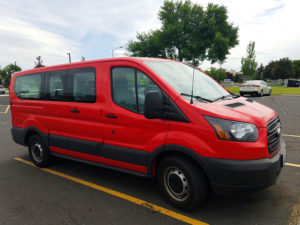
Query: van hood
x=239, y=109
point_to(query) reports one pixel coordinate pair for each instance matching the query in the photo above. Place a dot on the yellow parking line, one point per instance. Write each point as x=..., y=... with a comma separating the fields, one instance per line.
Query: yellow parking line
x=292, y=164
x=129, y=198
x=7, y=109
x=291, y=135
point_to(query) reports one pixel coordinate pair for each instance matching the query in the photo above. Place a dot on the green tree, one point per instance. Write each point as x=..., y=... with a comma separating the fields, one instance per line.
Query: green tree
x=150, y=44
x=296, y=64
x=281, y=69
x=188, y=33
x=218, y=74
x=39, y=62
x=269, y=70
x=284, y=69
x=7, y=71
x=249, y=64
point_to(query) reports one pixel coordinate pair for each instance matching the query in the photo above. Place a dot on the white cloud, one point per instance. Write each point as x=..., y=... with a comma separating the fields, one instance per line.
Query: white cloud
x=93, y=28
x=274, y=31
x=22, y=42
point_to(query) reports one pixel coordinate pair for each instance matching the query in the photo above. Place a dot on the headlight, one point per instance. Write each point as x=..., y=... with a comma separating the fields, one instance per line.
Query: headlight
x=233, y=130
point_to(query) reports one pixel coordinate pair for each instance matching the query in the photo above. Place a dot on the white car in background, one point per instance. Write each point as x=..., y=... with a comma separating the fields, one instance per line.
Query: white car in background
x=255, y=87
x=2, y=89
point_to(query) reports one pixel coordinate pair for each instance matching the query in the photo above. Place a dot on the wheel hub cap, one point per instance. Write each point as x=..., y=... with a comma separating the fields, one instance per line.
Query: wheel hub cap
x=176, y=184
x=37, y=152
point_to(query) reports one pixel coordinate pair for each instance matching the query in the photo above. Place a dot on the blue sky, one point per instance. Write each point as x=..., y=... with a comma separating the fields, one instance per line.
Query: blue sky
x=92, y=29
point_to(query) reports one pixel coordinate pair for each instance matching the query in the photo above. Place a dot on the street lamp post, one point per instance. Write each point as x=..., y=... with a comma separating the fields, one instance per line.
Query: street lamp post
x=69, y=57
x=112, y=51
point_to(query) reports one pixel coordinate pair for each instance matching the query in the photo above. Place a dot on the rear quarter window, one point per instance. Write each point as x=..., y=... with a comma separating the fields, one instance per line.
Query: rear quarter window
x=28, y=86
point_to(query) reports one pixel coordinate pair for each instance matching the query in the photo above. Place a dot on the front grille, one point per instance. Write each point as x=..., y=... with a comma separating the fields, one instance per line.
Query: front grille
x=274, y=134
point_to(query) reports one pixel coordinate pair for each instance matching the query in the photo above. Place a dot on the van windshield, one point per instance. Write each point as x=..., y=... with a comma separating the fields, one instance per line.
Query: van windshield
x=180, y=77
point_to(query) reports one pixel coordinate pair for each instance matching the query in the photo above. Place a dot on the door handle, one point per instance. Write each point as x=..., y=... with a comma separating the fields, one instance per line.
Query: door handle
x=111, y=116
x=74, y=111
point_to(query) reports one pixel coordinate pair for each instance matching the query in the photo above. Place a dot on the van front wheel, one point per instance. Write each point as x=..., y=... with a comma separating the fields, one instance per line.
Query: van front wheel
x=182, y=182
x=38, y=151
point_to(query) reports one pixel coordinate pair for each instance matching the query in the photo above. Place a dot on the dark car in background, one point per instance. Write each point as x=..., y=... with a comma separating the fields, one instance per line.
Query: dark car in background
x=2, y=89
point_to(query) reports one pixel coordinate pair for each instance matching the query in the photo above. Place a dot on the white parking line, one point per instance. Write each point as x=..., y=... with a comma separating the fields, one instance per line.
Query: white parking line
x=6, y=110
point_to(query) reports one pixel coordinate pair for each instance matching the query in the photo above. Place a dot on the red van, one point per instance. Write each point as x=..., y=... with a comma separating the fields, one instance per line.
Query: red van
x=150, y=117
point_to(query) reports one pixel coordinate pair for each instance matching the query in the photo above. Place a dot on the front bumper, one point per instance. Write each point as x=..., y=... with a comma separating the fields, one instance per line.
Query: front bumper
x=239, y=175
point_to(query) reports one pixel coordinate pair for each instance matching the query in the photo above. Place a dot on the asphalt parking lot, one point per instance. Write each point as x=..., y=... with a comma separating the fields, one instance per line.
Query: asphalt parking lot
x=74, y=193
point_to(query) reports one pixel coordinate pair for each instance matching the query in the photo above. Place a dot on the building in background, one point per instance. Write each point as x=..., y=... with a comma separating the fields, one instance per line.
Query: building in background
x=237, y=77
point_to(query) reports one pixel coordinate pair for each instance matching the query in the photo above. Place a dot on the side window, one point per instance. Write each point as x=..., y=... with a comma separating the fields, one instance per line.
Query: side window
x=57, y=82
x=28, y=86
x=123, y=88
x=144, y=84
x=129, y=87
x=84, y=84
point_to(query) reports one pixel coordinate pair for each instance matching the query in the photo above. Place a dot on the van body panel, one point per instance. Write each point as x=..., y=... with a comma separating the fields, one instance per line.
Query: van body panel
x=206, y=143
x=253, y=112
x=130, y=129
x=104, y=133
x=29, y=113
x=99, y=159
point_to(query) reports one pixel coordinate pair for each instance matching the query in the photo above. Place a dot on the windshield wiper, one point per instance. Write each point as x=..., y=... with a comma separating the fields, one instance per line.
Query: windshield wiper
x=222, y=97
x=234, y=95
x=196, y=97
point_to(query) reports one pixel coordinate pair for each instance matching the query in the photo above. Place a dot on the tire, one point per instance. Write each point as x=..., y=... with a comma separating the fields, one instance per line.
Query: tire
x=182, y=182
x=38, y=151
x=270, y=92
x=261, y=94
x=241, y=94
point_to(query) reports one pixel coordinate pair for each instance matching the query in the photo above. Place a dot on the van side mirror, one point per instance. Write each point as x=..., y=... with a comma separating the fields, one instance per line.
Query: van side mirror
x=159, y=106
x=154, y=107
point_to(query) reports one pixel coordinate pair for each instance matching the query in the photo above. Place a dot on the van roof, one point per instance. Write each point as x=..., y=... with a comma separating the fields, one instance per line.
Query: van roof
x=132, y=59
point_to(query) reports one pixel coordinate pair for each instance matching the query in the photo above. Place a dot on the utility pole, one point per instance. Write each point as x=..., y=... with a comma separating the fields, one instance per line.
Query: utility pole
x=69, y=57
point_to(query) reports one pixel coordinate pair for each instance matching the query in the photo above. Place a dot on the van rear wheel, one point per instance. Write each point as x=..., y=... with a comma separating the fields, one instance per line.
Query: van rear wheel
x=38, y=151
x=182, y=182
